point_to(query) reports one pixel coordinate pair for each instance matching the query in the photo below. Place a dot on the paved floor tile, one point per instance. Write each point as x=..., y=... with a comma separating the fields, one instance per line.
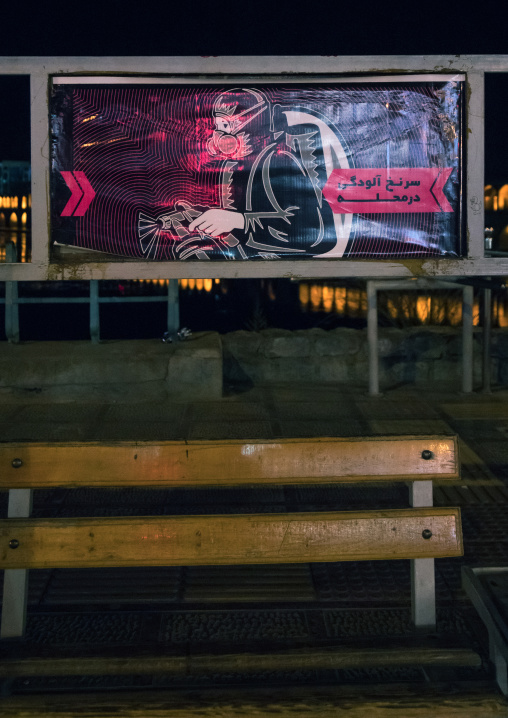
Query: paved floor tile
x=470, y=494
x=134, y=431
x=218, y=584
x=380, y=408
x=9, y=411
x=307, y=410
x=484, y=410
x=442, y=393
x=59, y=413
x=236, y=496
x=42, y=431
x=231, y=430
x=481, y=429
x=239, y=394
x=309, y=392
x=182, y=627
x=485, y=524
x=473, y=467
x=86, y=629
x=166, y=411
x=123, y=586
x=227, y=411
x=320, y=427
x=494, y=452
x=410, y=426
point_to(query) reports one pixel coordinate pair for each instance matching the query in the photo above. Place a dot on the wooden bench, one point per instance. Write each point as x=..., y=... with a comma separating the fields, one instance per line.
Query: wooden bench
x=420, y=533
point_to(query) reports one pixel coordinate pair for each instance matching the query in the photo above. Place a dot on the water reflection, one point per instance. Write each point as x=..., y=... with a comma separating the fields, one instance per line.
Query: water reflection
x=15, y=220
x=437, y=308
x=395, y=308
x=19, y=239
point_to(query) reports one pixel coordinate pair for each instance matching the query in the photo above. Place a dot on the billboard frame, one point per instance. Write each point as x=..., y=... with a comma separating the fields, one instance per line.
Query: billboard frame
x=71, y=265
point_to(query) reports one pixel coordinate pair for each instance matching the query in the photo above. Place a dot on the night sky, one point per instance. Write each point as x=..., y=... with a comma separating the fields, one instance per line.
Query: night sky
x=152, y=28
x=330, y=27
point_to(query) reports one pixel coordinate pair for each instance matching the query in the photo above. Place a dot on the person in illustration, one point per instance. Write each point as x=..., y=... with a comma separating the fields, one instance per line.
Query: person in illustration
x=274, y=162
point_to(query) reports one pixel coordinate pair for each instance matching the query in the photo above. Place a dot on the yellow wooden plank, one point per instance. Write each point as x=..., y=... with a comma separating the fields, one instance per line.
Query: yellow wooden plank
x=340, y=657
x=329, y=658
x=230, y=539
x=389, y=701
x=227, y=463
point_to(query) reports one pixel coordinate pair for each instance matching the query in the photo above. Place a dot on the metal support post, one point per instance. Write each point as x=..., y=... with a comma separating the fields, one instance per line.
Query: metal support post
x=173, y=307
x=487, y=333
x=11, y=300
x=501, y=668
x=423, y=581
x=95, y=327
x=15, y=593
x=372, y=337
x=467, y=339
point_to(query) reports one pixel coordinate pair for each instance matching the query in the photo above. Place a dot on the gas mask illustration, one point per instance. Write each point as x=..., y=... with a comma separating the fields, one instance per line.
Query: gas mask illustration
x=233, y=111
x=230, y=146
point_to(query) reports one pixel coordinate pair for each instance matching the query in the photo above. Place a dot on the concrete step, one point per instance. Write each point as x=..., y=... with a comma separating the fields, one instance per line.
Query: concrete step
x=113, y=371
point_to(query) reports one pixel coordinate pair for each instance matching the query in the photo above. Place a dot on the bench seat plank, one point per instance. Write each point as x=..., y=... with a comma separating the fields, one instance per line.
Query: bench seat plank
x=340, y=657
x=452, y=700
x=230, y=539
x=283, y=461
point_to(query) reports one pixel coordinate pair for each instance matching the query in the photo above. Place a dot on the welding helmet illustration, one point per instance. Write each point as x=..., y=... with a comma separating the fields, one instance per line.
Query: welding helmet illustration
x=234, y=111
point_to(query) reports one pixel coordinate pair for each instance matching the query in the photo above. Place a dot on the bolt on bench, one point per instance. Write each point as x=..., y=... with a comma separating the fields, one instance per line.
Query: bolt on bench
x=420, y=533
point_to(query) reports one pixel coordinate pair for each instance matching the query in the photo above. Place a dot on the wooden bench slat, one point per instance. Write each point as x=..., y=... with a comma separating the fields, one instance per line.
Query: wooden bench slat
x=230, y=539
x=409, y=700
x=228, y=463
x=325, y=658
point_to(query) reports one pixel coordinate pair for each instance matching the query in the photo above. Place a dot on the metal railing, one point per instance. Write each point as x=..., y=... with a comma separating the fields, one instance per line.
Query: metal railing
x=484, y=284
x=373, y=287
x=12, y=301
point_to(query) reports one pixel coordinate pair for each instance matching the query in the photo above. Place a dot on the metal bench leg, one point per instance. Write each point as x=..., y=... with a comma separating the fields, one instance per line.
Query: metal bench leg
x=16, y=580
x=501, y=669
x=498, y=660
x=423, y=582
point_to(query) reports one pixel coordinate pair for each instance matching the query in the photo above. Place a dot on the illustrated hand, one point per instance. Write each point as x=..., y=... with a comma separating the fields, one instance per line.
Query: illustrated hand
x=215, y=222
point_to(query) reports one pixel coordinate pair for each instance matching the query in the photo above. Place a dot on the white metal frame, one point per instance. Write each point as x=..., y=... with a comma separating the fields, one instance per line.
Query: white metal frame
x=285, y=69
x=375, y=286
x=423, y=580
x=15, y=589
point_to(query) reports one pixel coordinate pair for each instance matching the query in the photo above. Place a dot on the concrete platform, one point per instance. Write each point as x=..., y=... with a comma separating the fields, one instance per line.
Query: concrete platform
x=130, y=371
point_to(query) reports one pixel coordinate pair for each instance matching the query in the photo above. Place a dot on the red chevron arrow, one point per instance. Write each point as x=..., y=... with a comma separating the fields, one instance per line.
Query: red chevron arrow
x=76, y=195
x=82, y=194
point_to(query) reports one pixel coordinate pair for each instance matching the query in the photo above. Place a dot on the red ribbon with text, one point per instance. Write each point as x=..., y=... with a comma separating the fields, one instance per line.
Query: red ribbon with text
x=398, y=190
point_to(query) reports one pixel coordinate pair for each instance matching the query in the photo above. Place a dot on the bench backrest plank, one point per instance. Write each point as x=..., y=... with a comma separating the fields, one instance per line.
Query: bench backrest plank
x=230, y=539
x=231, y=463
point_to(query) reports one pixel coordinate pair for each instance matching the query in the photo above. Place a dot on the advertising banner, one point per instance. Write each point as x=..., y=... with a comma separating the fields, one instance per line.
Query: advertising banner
x=164, y=171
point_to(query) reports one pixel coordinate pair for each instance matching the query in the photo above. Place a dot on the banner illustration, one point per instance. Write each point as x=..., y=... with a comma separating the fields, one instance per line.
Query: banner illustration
x=204, y=172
